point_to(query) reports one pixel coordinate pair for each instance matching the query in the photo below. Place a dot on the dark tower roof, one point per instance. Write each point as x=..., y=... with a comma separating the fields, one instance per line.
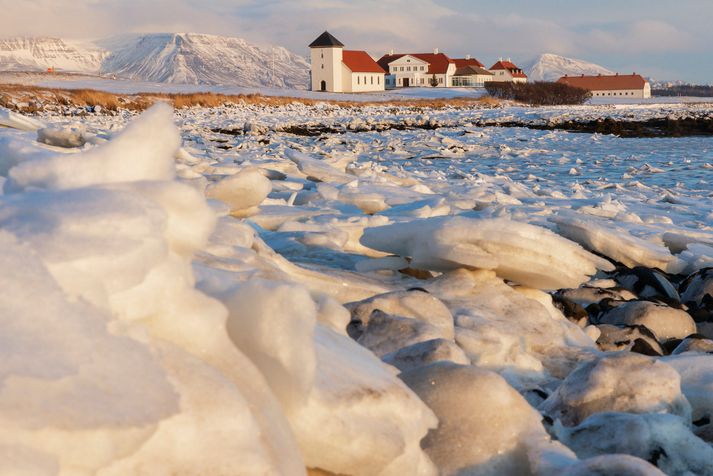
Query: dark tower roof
x=326, y=40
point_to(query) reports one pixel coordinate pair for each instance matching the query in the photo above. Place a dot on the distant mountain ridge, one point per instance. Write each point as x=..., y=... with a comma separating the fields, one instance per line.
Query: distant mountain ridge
x=551, y=67
x=179, y=58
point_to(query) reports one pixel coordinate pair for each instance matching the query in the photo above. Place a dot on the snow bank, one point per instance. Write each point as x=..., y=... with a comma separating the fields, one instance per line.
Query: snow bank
x=520, y=252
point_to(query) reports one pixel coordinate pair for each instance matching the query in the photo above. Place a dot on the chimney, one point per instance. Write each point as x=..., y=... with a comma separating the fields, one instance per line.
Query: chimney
x=467, y=57
x=617, y=74
x=435, y=51
x=509, y=60
x=500, y=58
x=391, y=52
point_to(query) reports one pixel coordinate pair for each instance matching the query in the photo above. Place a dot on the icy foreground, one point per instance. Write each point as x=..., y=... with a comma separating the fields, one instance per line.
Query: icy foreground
x=257, y=302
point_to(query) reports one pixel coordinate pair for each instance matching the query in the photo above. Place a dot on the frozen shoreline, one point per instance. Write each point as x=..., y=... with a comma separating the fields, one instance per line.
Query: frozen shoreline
x=248, y=286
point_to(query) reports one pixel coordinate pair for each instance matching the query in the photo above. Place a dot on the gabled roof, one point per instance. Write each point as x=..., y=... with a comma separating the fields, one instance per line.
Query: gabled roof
x=360, y=62
x=437, y=62
x=514, y=70
x=470, y=70
x=462, y=62
x=326, y=40
x=605, y=83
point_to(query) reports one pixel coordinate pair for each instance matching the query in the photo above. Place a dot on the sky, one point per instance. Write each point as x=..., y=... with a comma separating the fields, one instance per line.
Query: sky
x=662, y=39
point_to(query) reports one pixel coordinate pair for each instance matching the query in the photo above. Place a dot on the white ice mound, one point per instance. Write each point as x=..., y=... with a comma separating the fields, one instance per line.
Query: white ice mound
x=131, y=369
x=243, y=191
x=143, y=151
x=18, y=121
x=616, y=243
x=624, y=382
x=334, y=393
x=665, y=439
x=520, y=252
x=485, y=426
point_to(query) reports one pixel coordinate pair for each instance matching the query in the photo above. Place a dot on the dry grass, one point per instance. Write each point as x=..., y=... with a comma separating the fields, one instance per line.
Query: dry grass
x=141, y=101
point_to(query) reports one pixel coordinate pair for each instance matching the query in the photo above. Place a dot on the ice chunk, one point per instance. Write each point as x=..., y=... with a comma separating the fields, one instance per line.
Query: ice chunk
x=243, y=191
x=422, y=353
x=273, y=324
x=665, y=440
x=360, y=419
x=68, y=137
x=524, y=253
x=664, y=321
x=485, y=426
x=143, y=151
x=696, y=373
x=616, y=243
x=623, y=382
x=318, y=169
x=414, y=303
x=18, y=121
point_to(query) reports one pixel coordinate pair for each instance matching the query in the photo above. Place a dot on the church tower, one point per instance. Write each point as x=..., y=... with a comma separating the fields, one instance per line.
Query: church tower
x=326, y=61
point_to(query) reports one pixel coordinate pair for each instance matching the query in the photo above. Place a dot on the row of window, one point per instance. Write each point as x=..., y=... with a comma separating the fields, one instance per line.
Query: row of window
x=614, y=94
x=394, y=69
x=378, y=80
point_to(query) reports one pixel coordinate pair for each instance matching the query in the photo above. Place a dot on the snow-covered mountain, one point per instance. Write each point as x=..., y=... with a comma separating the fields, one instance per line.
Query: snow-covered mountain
x=190, y=58
x=38, y=54
x=182, y=58
x=550, y=67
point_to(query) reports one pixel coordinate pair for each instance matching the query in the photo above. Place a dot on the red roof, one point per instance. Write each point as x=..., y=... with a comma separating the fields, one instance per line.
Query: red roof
x=360, y=62
x=437, y=63
x=514, y=70
x=605, y=83
x=463, y=62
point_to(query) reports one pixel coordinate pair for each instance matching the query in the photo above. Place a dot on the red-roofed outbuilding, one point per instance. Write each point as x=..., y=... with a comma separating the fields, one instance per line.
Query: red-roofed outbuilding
x=505, y=70
x=617, y=85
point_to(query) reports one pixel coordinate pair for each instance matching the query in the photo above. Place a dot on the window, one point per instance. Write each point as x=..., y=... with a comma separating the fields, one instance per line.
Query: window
x=322, y=66
x=402, y=68
x=422, y=81
x=364, y=79
x=372, y=80
x=408, y=68
x=322, y=54
x=440, y=80
x=422, y=68
x=378, y=80
x=358, y=80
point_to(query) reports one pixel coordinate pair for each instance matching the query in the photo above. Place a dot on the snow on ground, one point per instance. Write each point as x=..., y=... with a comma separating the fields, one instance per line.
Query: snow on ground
x=261, y=290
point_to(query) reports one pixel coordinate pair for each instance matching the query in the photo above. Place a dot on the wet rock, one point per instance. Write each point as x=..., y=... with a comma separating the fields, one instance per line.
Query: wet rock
x=632, y=338
x=649, y=284
x=694, y=343
x=697, y=294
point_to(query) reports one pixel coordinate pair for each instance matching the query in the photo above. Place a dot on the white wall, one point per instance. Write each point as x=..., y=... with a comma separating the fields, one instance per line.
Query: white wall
x=624, y=93
x=327, y=66
x=362, y=82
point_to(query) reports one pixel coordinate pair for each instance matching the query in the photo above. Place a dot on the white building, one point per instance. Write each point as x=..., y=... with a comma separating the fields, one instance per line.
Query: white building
x=470, y=73
x=338, y=70
x=506, y=71
x=624, y=85
x=418, y=69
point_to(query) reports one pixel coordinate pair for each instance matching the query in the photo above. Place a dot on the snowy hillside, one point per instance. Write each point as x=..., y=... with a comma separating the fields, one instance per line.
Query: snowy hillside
x=189, y=58
x=185, y=58
x=550, y=67
x=38, y=54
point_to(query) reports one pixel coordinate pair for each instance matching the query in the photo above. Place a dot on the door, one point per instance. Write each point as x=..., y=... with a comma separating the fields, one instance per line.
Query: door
x=323, y=86
x=406, y=82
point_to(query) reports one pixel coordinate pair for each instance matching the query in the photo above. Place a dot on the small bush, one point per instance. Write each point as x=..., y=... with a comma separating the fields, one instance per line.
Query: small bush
x=538, y=93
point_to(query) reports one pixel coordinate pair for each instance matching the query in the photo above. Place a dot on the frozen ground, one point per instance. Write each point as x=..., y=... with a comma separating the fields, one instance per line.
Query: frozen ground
x=360, y=290
x=77, y=81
